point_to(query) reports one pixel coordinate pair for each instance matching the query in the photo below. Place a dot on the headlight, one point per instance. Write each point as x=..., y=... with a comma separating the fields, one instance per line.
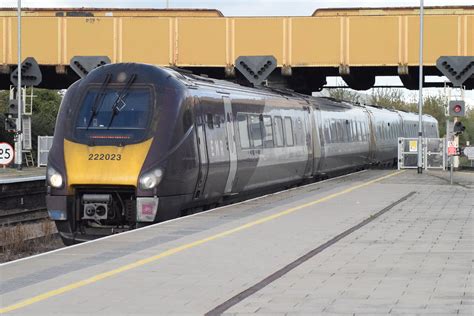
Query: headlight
x=150, y=179
x=55, y=179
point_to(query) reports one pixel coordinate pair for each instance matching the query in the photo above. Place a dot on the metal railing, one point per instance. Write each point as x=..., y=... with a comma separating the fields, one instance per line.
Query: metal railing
x=44, y=145
x=433, y=151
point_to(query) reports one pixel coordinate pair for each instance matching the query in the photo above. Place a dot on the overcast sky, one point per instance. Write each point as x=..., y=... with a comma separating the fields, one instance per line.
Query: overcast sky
x=236, y=7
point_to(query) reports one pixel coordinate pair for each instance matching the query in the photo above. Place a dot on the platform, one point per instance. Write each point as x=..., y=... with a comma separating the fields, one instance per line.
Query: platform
x=374, y=242
x=11, y=175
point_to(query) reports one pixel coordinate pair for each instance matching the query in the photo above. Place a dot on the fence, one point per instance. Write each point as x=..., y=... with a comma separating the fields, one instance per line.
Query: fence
x=44, y=145
x=433, y=150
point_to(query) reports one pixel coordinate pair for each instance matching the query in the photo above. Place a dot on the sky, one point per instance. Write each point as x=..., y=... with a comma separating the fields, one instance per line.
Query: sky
x=253, y=8
x=236, y=7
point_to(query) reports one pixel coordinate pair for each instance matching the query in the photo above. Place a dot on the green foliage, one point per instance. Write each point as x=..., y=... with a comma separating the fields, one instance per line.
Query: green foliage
x=392, y=99
x=345, y=94
x=468, y=122
x=395, y=99
x=4, y=136
x=45, y=109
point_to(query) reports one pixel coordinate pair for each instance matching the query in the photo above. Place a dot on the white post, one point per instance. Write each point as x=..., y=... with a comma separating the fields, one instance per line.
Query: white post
x=420, y=97
x=18, y=143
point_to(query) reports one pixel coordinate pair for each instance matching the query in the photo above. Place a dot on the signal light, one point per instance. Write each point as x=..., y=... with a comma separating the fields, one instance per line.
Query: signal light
x=458, y=128
x=457, y=108
x=10, y=123
x=13, y=108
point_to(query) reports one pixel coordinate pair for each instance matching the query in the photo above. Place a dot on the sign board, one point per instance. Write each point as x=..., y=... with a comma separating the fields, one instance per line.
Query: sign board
x=452, y=148
x=469, y=152
x=413, y=145
x=6, y=153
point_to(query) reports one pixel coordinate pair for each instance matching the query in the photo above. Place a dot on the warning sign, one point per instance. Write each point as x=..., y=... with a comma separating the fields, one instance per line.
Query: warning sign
x=452, y=148
x=413, y=145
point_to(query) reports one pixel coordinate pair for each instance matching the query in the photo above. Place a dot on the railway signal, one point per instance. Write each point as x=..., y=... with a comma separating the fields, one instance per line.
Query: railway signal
x=30, y=73
x=256, y=69
x=10, y=123
x=458, y=128
x=457, y=108
x=13, y=108
x=456, y=68
x=82, y=65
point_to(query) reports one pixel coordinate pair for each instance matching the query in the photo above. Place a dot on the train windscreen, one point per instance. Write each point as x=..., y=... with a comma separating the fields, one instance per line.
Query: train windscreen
x=114, y=115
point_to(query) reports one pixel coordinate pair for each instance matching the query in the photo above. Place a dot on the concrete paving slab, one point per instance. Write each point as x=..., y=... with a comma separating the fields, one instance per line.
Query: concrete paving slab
x=193, y=264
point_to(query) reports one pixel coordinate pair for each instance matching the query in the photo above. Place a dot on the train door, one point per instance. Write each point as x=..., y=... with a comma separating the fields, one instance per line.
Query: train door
x=202, y=149
x=318, y=140
x=372, y=136
x=308, y=129
x=229, y=121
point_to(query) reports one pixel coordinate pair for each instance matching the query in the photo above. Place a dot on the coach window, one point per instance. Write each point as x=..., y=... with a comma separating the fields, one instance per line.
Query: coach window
x=217, y=120
x=299, y=139
x=209, y=121
x=279, y=141
x=243, y=130
x=327, y=133
x=267, y=132
x=255, y=131
x=289, y=131
x=359, y=131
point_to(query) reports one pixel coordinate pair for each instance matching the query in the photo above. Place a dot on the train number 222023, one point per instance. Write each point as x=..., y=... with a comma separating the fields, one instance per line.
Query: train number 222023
x=105, y=156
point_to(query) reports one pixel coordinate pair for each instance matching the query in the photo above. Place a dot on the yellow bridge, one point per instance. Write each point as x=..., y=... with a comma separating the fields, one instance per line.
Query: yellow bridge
x=357, y=44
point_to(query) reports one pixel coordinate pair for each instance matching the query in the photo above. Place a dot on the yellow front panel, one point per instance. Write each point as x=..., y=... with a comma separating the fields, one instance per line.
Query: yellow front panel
x=373, y=41
x=259, y=36
x=145, y=40
x=82, y=171
x=45, y=47
x=91, y=36
x=315, y=41
x=209, y=48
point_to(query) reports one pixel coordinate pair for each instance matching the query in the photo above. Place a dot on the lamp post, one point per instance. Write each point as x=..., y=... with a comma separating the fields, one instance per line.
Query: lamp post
x=420, y=96
x=18, y=138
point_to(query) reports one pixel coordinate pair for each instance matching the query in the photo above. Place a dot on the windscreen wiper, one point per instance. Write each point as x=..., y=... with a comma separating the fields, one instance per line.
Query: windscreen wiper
x=121, y=98
x=99, y=98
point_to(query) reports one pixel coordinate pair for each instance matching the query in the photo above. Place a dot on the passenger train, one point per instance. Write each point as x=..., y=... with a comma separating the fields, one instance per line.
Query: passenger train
x=136, y=144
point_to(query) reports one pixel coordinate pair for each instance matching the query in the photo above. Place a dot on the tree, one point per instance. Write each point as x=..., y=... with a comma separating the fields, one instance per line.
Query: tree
x=468, y=122
x=345, y=94
x=45, y=109
x=391, y=98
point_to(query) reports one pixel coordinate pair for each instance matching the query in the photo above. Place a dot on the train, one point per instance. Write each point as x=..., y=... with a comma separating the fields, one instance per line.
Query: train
x=135, y=144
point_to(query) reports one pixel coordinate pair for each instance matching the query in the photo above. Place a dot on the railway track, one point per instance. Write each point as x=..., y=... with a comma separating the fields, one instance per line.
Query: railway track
x=22, y=202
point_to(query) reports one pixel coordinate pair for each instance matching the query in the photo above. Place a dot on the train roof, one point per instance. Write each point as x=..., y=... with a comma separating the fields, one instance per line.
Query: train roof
x=191, y=80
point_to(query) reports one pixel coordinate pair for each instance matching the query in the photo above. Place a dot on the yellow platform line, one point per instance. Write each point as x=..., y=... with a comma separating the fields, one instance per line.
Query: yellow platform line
x=172, y=251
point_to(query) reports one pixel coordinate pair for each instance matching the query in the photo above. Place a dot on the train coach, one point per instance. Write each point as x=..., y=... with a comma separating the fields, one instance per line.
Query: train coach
x=136, y=144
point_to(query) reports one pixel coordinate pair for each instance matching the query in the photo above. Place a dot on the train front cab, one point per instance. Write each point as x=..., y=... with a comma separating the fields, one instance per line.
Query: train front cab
x=111, y=152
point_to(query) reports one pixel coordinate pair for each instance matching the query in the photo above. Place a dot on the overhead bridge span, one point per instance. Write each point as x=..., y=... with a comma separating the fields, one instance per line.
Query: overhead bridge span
x=357, y=44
